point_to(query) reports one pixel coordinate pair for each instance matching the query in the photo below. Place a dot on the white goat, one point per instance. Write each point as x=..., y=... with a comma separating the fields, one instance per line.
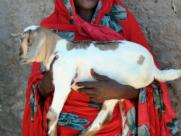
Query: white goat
x=126, y=62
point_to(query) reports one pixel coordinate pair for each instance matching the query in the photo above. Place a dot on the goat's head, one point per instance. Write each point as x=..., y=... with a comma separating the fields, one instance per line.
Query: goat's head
x=37, y=44
x=29, y=44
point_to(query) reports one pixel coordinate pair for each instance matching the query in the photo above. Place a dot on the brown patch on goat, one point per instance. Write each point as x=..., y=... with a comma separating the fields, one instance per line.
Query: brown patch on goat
x=100, y=45
x=107, y=46
x=77, y=45
x=141, y=60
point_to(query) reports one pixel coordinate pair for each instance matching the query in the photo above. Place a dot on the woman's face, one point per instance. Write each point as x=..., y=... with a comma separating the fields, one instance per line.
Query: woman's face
x=86, y=4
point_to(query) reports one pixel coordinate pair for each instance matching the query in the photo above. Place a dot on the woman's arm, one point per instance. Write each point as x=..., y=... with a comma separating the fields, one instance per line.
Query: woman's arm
x=102, y=89
x=46, y=86
x=105, y=88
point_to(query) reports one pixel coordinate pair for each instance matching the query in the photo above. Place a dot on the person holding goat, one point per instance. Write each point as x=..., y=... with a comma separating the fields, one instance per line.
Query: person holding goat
x=148, y=111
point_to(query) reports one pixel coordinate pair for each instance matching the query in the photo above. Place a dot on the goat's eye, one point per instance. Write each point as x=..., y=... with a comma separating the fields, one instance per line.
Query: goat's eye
x=29, y=42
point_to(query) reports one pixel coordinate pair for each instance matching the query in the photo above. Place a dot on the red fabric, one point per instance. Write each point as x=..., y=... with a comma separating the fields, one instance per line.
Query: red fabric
x=60, y=18
x=32, y=128
x=77, y=103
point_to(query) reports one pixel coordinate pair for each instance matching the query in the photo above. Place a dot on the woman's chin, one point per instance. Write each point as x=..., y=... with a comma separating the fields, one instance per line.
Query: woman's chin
x=86, y=4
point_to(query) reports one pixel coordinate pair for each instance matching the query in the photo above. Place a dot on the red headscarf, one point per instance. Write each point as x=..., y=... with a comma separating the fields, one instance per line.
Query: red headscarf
x=78, y=104
x=61, y=18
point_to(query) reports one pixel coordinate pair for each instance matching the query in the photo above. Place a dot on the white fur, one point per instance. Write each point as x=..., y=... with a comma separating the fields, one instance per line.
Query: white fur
x=120, y=64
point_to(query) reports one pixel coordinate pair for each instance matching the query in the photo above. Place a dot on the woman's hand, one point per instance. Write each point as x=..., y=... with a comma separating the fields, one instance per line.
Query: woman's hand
x=105, y=88
x=46, y=86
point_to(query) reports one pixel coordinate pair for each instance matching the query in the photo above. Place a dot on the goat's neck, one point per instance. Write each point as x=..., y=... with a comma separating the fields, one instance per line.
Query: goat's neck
x=61, y=46
x=47, y=51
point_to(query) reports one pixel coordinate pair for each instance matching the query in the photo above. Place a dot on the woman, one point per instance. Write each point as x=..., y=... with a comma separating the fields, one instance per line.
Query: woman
x=97, y=20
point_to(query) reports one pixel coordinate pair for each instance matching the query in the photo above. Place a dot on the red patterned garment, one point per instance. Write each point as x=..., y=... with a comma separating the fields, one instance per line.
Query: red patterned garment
x=150, y=115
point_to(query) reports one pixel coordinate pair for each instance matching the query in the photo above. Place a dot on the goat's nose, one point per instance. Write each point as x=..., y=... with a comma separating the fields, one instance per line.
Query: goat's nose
x=20, y=51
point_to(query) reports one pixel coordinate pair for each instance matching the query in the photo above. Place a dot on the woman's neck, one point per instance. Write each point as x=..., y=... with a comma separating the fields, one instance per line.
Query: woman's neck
x=86, y=14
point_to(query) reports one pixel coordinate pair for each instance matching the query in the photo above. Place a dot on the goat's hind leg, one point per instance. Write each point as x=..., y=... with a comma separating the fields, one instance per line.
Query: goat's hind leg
x=62, y=77
x=103, y=117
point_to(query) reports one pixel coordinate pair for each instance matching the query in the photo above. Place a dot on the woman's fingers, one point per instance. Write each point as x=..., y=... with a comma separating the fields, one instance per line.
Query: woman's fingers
x=87, y=84
x=89, y=91
x=97, y=76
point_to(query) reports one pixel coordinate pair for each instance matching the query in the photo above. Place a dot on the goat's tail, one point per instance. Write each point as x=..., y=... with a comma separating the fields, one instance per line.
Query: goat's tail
x=167, y=75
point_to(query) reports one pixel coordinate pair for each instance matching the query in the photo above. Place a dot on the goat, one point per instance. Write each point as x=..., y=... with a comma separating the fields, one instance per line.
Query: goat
x=126, y=62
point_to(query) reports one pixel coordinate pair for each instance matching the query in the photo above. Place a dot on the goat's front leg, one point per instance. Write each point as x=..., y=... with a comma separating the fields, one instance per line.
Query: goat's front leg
x=63, y=74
